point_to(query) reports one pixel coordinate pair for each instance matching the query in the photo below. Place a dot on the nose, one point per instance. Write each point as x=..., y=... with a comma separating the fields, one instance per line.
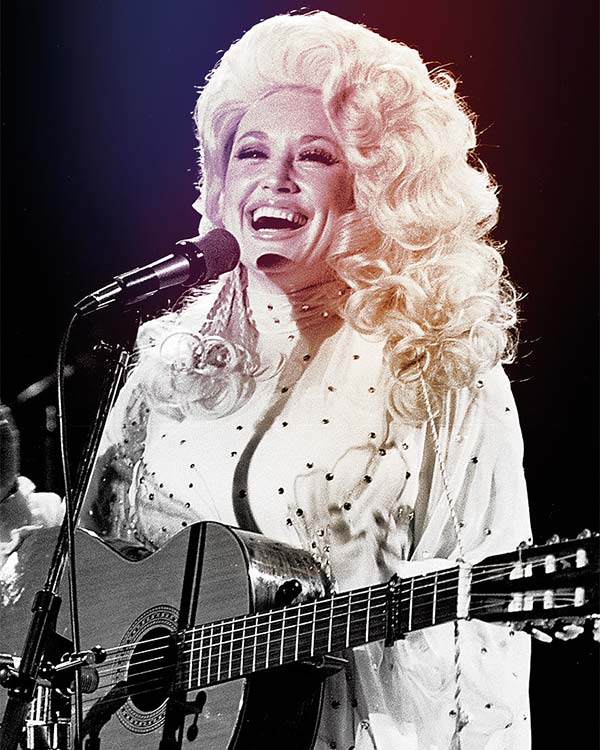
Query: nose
x=279, y=177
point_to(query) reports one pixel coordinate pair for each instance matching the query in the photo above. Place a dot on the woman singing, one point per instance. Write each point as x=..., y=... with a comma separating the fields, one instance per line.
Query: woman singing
x=342, y=388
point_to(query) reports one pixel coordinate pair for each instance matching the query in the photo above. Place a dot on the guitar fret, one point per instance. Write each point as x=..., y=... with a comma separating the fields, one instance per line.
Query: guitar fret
x=191, y=665
x=278, y=632
x=297, y=633
x=268, y=640
x=314, y=627
x=230, y=651
x=318, y=616
x=255, y=636
x=209, y=653
x=243, y=645
x=348, y=620
x=359, y=613
x=220, y=652
x=200, y=653
x=331, y=601
x=281, y=647
x=214, y=640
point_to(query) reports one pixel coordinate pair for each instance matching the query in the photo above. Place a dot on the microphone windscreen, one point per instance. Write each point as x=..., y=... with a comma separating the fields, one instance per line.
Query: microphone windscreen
x=221, y=252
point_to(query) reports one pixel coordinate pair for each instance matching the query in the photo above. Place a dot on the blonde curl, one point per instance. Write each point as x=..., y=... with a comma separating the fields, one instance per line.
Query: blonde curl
x=415, y=249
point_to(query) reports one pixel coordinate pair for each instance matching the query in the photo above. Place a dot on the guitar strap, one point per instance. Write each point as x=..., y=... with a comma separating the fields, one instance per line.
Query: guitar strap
x=462, y=719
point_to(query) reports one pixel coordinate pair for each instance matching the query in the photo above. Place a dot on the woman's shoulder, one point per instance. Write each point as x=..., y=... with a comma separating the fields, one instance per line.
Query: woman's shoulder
x=486, y=407
x=134, y=403
x=485, y=410
x=493, y=390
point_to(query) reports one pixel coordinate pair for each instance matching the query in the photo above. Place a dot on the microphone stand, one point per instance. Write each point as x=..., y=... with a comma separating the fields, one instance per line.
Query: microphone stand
x=213, y=254
x=22, y=683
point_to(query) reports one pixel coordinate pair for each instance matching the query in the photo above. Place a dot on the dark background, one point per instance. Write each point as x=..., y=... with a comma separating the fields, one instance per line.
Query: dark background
x=98, y=167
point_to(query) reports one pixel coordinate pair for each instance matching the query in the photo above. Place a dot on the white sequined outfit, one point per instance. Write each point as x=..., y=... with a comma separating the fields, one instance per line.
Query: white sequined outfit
x=314, y=459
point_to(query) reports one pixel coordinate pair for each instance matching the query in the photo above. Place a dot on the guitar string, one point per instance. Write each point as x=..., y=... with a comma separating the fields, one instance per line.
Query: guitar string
x=224, y=639
x=261, y=651
x=217, y=679
x=217, y=640
x=257, y=631
x=139, y=692
x=259, y=625
x=183, y=682
x=340, y=601
x=445, y=573
x=478, y=576
x=259, y=628
x=258, y=651
x=220, y=636
x=213, y=632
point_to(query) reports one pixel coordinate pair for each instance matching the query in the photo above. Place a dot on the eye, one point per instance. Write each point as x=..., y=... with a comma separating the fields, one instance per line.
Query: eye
x=319, y=155
x=251, y=152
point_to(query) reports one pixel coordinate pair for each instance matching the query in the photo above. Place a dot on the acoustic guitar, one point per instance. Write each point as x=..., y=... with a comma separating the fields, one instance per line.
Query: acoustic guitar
x=221, y=640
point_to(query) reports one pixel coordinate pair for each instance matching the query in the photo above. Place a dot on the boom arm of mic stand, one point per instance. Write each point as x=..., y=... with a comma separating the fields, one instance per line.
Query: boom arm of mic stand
x=47, y=602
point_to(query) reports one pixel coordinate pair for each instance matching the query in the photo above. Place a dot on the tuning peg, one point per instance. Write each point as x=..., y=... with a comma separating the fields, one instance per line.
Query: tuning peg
x=585, y=534
x=525, y=544
x=554, y=539
x=538, y=634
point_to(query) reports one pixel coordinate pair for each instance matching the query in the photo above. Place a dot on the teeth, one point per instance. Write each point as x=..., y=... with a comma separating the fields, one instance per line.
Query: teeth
x=279, y=213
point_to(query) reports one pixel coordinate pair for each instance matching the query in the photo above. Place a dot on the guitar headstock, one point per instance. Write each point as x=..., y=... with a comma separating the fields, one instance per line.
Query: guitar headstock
x=539, y=585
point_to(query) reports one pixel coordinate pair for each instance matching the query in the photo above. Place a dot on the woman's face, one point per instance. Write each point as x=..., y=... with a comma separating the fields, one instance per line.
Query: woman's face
x=286, y=185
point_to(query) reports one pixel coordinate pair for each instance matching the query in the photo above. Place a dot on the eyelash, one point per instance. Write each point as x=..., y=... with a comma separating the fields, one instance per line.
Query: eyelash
x=250, y=152
x=319, y=155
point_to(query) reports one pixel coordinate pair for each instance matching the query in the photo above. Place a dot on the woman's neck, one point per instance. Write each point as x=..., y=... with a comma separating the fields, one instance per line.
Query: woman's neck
x=293, y=286
x=313, y=306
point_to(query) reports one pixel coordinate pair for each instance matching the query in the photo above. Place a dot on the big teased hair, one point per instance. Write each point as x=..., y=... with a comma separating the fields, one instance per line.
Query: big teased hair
x=415, y=251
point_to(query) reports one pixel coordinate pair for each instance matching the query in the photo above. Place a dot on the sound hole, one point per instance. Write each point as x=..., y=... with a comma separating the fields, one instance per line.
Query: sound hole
x=151, y=669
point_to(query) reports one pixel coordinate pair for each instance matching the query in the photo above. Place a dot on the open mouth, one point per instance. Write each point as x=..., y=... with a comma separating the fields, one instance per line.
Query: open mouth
x=267, y=217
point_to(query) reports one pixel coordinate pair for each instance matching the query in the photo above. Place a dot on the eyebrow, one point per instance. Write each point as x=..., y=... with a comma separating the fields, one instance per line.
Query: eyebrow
x=308, y=138
x=252, y=134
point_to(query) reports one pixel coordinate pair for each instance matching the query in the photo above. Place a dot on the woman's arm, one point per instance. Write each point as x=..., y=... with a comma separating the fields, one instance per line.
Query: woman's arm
x=434, y=680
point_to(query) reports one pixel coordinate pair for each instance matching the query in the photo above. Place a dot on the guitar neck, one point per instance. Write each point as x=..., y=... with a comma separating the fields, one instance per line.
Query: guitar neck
x=220, y=651
x=531, y=585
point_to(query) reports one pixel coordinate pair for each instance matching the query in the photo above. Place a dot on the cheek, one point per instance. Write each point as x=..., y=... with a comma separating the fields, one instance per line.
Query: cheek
x=228, y=200
x=342, y=195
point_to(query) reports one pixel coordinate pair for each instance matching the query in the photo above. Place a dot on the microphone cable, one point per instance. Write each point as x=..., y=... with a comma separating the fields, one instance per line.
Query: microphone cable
x=70, y=527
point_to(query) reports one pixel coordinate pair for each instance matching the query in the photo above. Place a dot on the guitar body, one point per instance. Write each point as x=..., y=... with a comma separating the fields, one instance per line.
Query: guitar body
x=210, y=643
x=207, y=573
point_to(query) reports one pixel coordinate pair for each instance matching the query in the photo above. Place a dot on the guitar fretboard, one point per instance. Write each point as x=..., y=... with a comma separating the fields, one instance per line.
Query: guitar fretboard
x=238, y=647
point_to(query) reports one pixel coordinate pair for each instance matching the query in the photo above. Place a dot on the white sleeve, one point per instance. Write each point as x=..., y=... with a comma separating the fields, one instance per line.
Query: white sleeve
x=106, y=508
x=412, y=691
x=23, y=512
x=481, y=446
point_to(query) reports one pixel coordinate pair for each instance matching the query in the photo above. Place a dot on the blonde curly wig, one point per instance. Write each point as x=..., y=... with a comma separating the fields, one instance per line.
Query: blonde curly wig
x=415, y=251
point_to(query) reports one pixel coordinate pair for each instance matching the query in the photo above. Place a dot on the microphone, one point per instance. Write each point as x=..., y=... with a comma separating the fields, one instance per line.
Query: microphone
x=195, y=262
